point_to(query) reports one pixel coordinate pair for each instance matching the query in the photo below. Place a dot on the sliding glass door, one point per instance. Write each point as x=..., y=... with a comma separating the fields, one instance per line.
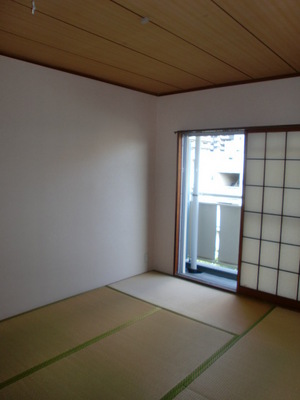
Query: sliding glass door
x=212, y=165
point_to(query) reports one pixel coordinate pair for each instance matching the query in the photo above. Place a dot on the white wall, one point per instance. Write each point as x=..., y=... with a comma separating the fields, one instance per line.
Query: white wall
x=78, y=205
x=267, y=103
x=76, y=184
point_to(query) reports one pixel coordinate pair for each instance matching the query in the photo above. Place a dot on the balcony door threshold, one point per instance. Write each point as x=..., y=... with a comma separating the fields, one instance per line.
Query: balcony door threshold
x=208, y=279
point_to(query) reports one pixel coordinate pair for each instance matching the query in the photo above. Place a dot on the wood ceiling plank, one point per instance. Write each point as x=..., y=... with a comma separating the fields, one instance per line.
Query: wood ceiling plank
x=109, y=20
x=18, y=47
x=17, y=19
x=204, y=24
x=275, y=22
x=168, y=49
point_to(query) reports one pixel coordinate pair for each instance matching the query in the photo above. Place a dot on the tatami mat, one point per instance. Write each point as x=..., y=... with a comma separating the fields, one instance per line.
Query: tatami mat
x=143, y=361
x=198, y=344
x=220, y=309
x=187, y=394
x=34, y=337
x=264, y=364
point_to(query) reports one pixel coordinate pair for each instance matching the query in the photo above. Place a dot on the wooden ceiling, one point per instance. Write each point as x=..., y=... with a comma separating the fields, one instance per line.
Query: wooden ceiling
x=186, y=45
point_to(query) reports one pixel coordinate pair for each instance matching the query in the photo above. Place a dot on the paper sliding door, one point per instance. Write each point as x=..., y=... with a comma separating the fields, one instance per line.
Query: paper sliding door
x=271, y=227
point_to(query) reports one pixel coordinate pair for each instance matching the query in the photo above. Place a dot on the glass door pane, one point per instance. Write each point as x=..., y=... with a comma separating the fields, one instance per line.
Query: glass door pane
x=211, y=199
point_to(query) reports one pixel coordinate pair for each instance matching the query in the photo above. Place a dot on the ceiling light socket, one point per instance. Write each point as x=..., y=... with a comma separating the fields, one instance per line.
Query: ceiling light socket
x=145, y=20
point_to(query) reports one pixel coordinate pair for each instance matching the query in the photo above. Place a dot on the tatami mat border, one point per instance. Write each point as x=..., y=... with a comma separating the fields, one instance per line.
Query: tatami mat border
x=75, y=349
x=182, y=385
x=175, y=312
x=48, y=305
x=211, y=360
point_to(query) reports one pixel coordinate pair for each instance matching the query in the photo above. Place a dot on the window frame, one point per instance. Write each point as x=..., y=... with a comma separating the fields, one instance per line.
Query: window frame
x=240, y=288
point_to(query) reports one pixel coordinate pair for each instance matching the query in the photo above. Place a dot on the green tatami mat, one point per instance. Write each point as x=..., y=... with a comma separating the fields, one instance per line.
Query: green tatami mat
x=142, y=361
x=263, y=365
x=214, y=307
x=30, y=339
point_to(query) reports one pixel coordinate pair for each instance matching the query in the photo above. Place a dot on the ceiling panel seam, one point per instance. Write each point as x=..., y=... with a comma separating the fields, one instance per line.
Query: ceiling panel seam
x=256, y=37
x=90, y=59
x=117, y=43
x=185, y=40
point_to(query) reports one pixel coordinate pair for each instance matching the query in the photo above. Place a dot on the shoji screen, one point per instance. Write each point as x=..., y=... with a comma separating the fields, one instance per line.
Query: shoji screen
x=271, y=226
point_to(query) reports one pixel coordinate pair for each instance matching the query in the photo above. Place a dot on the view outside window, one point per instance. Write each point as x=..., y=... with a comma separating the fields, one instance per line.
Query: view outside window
x=212, y=185
x=220, y=168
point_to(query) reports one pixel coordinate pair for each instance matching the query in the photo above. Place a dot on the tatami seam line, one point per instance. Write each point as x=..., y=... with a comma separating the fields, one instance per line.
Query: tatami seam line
x=77, y=348
x=175, y=312
x=53, y=303
x=184, y=383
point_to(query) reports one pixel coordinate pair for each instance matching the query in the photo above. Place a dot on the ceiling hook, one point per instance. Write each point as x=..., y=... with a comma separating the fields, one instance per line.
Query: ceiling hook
x=33, y=7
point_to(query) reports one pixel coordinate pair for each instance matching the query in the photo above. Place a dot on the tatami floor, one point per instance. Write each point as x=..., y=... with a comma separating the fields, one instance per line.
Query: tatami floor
x=152, y=337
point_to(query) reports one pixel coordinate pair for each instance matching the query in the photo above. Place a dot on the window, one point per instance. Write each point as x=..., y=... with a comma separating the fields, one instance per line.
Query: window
x=210, y=214
x=259, y=212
